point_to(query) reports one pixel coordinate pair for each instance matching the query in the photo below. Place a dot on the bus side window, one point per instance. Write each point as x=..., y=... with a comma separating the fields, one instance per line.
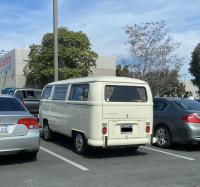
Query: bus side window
x=79, y=92
x=47, y=92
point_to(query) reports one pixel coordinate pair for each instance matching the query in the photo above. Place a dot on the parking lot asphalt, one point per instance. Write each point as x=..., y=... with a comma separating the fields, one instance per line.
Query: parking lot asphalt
x=58, y=166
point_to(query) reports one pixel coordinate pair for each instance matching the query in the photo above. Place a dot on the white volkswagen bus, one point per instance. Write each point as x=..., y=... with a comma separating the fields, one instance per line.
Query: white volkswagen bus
x=98, y=111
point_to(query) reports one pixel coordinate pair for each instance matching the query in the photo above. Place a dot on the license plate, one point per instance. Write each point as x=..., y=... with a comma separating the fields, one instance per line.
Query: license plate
x=126, y=129
x=3, y=130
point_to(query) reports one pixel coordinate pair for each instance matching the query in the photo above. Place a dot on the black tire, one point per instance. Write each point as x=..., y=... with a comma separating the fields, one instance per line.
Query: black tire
x=80, y=143
x=31, y=155
x=163, y=136
x=47, y=133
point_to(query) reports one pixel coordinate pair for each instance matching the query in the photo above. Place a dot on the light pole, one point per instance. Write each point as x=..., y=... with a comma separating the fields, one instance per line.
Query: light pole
x=55, y=31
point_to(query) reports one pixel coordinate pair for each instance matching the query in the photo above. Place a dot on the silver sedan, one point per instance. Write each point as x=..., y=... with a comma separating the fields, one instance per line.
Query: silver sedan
x=18, y=128
x=176, y=121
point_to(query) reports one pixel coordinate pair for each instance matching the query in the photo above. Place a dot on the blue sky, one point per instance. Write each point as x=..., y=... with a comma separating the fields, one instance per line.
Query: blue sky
x=23, y=22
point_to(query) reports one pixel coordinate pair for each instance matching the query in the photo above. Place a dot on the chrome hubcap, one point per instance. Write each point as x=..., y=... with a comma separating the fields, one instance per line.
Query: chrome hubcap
x=162, y=136
x=79, y=142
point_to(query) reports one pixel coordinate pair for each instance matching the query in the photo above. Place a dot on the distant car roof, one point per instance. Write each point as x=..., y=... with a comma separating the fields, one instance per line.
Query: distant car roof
x=6, y=90
x=172, y=98
x=167, y=98
x=6, y=96
x=27, y=89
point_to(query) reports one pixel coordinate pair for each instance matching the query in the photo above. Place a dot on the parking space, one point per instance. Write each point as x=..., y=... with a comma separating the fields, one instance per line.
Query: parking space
x=45, y=171
x=58, y=165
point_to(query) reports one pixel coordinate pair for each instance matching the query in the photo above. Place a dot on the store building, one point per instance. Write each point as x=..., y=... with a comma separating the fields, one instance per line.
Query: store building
x=11, y=68
x=12, y=65
x=105, y=66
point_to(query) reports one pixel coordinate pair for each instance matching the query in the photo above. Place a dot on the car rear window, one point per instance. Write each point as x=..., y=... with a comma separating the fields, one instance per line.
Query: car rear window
x=118, y=93
x=187, y=104
x=10, y=104
x=28, y=94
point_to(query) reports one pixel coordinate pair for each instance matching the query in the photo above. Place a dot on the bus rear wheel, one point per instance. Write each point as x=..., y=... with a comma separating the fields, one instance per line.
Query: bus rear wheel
x=47, y=133
x=80, y=143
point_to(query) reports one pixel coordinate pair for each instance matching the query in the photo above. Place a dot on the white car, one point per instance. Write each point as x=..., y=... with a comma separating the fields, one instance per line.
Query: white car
x=18, y=128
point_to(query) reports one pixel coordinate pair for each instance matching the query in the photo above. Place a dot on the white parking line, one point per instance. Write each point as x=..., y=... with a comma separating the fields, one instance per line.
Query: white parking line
x=167, y=153
x=65, y=159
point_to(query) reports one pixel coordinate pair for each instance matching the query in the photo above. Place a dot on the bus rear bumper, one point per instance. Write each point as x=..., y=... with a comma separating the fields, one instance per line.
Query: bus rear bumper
x=105, y=142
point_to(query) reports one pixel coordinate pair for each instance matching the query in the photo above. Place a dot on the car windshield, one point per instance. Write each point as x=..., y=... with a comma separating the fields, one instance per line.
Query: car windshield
x=187, y=104
x=10, y=104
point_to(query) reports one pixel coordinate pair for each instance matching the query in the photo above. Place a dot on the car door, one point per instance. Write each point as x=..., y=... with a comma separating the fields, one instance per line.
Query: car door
x=159, y=111
x=31, y=104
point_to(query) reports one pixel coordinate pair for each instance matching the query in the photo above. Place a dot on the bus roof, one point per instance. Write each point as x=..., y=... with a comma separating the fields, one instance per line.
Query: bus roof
x=99, y=79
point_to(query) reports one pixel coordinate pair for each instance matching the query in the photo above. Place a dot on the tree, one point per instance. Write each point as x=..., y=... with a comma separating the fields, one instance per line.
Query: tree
x=123, y=71
x=75, y=58
x=153, y=54
x=169, y=79
x=195, y=66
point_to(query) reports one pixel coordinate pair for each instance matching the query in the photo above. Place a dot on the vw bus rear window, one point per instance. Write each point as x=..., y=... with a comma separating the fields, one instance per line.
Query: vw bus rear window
x=118, y=93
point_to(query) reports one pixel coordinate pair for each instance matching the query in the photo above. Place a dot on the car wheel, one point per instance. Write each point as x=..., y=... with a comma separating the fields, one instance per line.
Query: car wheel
x=80, y=143
x=47, y=134
x=163, y=137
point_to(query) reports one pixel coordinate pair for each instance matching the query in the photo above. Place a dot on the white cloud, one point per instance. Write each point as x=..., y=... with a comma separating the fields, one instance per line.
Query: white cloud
x=104, y=21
